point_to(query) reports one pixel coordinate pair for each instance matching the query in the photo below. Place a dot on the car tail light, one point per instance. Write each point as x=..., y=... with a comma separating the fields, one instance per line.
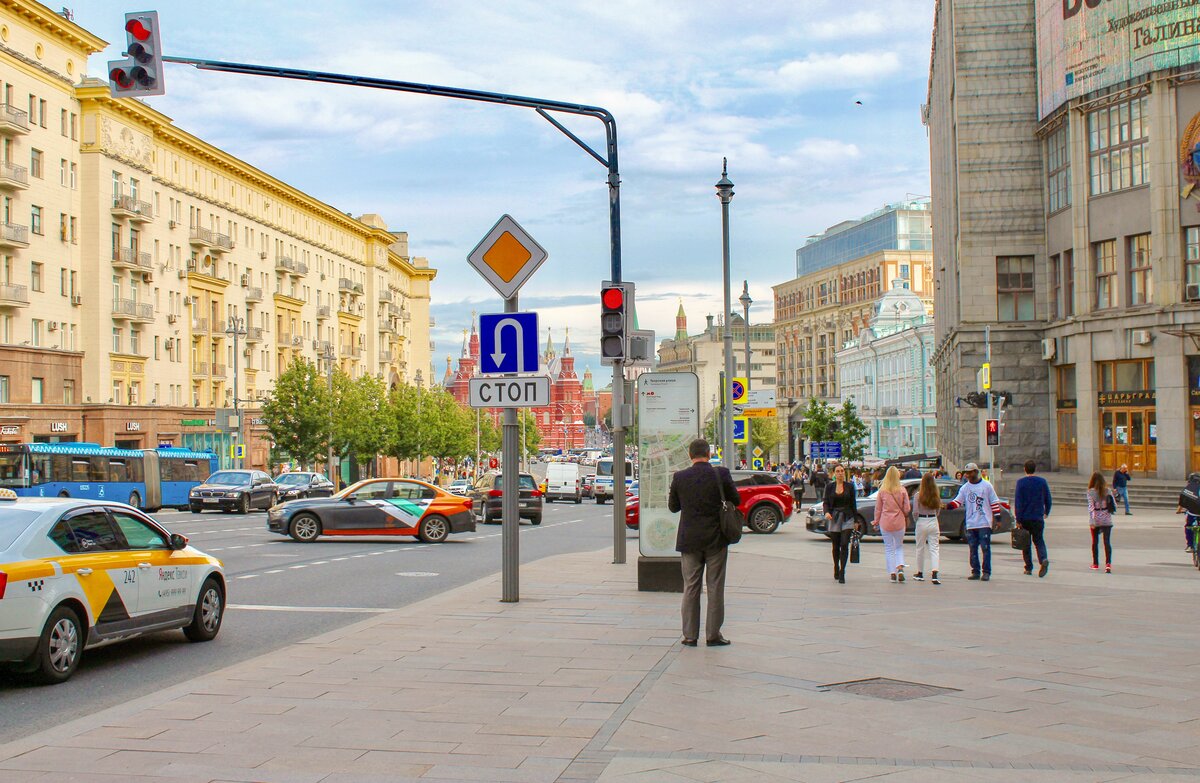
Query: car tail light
x=537, y=493
x=495, y=493
x=3, y=583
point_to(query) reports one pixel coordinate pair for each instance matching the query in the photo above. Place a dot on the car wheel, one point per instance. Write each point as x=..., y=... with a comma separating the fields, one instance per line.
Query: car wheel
x=192, y=507
x=210, y=611
x=59, y=647
x=536, y=520
x=578, y=500
x=434, y=529
x=764, y=519
x=244, y=504
x=305, y=528
x=135, y=500
x=64, y=494
x=599, y=501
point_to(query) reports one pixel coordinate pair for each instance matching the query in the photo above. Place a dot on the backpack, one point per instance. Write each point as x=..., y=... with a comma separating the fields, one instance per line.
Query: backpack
x=1189, y=498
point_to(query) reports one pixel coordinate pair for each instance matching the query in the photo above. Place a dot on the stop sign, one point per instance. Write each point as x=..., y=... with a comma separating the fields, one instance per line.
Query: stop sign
x=493, y=463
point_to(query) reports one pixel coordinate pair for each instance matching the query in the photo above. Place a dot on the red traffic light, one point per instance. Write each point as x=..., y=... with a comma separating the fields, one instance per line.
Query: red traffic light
x=612, y=298
x=121, y=77
x=138, y=30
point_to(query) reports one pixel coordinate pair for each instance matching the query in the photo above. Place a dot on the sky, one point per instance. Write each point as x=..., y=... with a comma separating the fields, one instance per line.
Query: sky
x=815, y=103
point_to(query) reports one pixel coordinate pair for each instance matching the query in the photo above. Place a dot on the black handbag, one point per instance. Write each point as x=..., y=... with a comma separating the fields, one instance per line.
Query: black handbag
x=854, y=550
x=732, y=520
x=1021, y=538
x=1110, y=504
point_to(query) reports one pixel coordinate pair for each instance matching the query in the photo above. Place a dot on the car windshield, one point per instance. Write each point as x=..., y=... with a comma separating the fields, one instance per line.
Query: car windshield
x=14, y=522
x=460, y=483
x=234, y=477
x=288, y=479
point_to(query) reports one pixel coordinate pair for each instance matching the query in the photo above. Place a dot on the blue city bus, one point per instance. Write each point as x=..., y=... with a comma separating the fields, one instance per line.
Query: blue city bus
x=145, y=478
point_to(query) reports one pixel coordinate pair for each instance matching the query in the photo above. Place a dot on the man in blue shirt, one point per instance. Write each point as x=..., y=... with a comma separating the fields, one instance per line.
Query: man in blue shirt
x=1120, y=485
x=1031, y=502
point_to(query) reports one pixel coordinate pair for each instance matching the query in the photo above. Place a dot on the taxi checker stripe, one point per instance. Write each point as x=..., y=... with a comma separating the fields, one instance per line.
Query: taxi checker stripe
x=407, y=511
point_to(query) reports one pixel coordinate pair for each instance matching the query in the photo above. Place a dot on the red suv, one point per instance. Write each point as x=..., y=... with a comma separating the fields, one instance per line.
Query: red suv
x=765, y=501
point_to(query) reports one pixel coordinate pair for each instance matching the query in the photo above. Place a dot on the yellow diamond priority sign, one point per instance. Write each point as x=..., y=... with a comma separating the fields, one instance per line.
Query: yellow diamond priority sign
x=507, y=257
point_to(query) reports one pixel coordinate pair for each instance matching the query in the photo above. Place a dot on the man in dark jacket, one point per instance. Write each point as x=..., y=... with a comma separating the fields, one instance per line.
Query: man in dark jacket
x=913, y=472
x=1120, y=485
x=1031, y=502
x=697, y=493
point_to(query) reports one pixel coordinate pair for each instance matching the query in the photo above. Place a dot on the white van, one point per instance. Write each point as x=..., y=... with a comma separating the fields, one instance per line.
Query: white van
x=564, y=482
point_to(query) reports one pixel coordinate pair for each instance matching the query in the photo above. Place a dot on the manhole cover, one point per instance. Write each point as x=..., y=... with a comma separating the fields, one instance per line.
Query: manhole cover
x=892, y=690
x=417, y=573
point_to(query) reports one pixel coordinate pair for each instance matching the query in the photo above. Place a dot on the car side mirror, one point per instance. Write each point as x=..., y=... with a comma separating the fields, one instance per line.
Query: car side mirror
x=178, y=542
x=351, y=499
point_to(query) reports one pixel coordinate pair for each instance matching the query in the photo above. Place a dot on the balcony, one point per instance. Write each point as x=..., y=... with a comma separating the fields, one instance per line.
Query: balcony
x=218, y=371
x=285, y=264
x=200, y=369
x=13, y=177
x=218, y=327
x=13, y=235
x=254, y=334
x=358, y=288
x=301, y=269
x=130, y=207
x=14, y=296
x=385, y=295
x=386, y=325
x=206, y=267
x=385, y=357
x=322, y=312
x=350, y=352
x=13, y=121
x=284, y=339
x=393, y=311
x=130, y=258
x=254, y=294
x=297, y=341
x=405, y=315
x=128, y=309
x=205, y=237
x=199, y=326
x=345, y=285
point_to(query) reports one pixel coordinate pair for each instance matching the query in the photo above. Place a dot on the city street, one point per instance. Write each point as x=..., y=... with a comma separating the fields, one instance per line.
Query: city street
x=281, y=592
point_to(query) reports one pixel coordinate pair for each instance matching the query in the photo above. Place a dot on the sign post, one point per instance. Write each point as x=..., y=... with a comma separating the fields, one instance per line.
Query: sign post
x=506, y=257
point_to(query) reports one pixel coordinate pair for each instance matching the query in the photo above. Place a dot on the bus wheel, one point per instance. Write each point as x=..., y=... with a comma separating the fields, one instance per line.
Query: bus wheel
x=135, y=500
x=64, y=494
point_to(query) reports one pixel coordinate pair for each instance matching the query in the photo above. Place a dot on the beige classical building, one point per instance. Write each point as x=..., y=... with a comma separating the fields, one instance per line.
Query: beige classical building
x=135, y=256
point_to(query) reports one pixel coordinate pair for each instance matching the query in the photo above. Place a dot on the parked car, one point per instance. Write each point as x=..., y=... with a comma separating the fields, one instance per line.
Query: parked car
x=587, y=483
x=376, y=507
x=763, y=499
x=293, y=486
x=951, y=523
x=459, y=487
x=234, y=490
x=76, y=573
x=487, y=497
x=563, y=482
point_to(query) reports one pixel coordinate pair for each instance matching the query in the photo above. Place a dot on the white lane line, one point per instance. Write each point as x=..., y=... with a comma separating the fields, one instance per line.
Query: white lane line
x=338, y=609
x=339, y=559
x=319, y=562
x=248, y=576
x=274, y=571
x=295, y=567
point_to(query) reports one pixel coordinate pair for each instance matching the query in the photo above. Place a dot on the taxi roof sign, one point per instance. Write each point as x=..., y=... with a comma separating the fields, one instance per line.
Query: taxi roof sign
x=507, y=257
x=7, y=494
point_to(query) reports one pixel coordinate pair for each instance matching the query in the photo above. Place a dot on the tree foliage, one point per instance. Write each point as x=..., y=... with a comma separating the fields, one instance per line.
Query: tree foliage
x=360, y=427
x=297, y=413
x=819, y=421
x=852, y=432
x=767, y=434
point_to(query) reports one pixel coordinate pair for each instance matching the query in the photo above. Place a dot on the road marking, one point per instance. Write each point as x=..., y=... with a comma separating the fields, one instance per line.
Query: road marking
x=319, y=562
x=340, y=559
x=338, y=609
x=275, y=571
x=302, y=565
x=417, y=573
x=248, y=576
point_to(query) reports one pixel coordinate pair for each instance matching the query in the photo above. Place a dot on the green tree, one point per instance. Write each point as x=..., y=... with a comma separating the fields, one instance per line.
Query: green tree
x=447, y=431
x=533, y=436
x=400, y=421
x=589, y=420
x=852, y=432
x=767, y=434
x=360, y=416
x=297, y=412
x=489, y=433
x=820, y=422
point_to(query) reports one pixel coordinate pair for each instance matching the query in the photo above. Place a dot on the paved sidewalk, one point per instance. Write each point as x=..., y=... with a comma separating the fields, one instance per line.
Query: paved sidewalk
x=1077, y=677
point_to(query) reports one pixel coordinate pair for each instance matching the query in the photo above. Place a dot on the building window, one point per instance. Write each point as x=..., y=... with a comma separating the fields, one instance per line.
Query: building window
x=1104, y=261
x=36, y=329
x=1141, y=279
x=35, y=163
x=1014, y=288
x=1055, y=287
x=3, y=388
x=1191, y=256
x=116, y=339
x=35, y=276
x=68, y=392
x=35, y=219
x=1117, y=143
x=37, y=391
x=1068, y=263
x=134, y=340
x=1058, y=170
x=118, y=393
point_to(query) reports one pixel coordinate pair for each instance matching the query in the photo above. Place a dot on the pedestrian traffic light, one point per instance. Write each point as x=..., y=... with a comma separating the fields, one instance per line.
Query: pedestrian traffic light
x=140, y=74
x=993, y=432
x=614, y=318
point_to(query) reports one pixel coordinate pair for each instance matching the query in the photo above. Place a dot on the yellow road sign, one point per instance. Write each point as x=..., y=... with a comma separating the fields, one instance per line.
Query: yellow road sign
x=739, y=391
x=739, y=430
x=759, y=413
x=507, y=256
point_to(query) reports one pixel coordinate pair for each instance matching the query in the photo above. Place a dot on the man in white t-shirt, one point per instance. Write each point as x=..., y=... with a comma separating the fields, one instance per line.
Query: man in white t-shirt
x=979, y=499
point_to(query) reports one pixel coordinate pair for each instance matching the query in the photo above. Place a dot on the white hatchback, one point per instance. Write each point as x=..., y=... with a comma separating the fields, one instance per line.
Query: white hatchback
x=79, y=573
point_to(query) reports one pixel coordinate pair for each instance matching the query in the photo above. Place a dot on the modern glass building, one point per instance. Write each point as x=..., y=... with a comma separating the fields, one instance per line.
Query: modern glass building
x=904, y=225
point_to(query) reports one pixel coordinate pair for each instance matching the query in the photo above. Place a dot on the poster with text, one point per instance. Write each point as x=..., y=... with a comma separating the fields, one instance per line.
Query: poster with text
x=668, y=418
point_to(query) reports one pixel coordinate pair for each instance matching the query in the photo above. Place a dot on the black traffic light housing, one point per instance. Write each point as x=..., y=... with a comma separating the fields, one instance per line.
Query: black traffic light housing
x=616, y=303
x=140, y=74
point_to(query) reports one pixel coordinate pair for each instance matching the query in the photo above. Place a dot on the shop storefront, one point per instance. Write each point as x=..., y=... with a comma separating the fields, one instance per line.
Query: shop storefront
x=1128, y=417
x=1193, y=368
x=1067, y=409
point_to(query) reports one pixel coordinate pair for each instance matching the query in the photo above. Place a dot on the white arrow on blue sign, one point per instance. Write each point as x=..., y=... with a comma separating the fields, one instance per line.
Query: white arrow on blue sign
x=508, y=343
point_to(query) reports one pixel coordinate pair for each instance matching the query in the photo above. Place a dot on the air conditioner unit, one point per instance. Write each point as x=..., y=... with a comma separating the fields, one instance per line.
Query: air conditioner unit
x=171, y=224
x=172, y=318
x=245, y=281
x=247, y=351
x=76, y=299
x=314, y=345
x=148, y=277
x=187, y=301
x=262, y=254
x=1143, y=336
x=52, y=326
x=322, y=275
x=169, y=343
x=1049, y=348
x=1192, y=292
x=182, y=274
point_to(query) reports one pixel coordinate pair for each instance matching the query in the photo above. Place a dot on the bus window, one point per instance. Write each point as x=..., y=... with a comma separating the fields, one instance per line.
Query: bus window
x=43, y=469
x=79, y=469
x=12, y=469
x=117, y=470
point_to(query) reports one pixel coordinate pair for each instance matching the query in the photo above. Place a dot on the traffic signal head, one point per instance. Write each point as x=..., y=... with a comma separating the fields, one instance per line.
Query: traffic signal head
x=993, y=432
x=615, y=304
x=141, y=73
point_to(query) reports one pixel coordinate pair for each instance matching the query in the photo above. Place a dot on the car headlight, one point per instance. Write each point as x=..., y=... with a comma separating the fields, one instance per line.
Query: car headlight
x=233, y=494
x=195, y=493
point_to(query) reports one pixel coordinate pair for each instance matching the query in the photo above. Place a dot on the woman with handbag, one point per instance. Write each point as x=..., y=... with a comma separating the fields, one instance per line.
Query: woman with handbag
x=841, y=510
x=892, y=508
x=1101, y=505
x=926, y=507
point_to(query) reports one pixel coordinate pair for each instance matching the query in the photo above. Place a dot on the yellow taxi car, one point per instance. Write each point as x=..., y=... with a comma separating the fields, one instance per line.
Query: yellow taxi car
x=79, y=573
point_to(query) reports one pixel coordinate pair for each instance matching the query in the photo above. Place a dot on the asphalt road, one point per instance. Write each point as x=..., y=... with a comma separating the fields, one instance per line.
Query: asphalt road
x=282, y=592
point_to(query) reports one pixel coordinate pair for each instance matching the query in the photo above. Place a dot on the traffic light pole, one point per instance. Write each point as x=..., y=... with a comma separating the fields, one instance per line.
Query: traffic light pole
x=542, y=107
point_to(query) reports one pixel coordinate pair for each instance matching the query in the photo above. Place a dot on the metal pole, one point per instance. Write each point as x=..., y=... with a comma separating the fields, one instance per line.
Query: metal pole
x=510, y=500
x=329, y=357
x=746, y=302
x=475, y=467
x=725, y=193
x=420, y=396
x=987, y=350
x=233, y=325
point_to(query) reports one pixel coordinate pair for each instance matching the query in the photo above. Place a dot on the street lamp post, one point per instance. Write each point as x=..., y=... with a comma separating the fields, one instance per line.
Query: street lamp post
x=725, y=194
x=237, y=328
x=746, y=302
x=419, y=379
x=330, y=357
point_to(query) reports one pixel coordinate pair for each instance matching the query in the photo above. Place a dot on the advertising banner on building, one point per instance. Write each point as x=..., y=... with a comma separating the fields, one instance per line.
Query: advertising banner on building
x=668, y=418
x=1086, y=45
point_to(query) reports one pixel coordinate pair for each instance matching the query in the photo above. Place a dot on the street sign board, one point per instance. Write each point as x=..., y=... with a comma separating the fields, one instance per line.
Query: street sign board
x=758, y=452
x=756, y=463
x=827, y=449
x=738, y=390
x=668, y=405
x=507, y=256
x=758, y=413
x=739, y=429
x=760, y=398
x=508, y=342
x=521, y=391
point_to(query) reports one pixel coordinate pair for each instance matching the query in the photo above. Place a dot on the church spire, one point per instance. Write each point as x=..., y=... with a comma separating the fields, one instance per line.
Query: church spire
x=567, y=343
x=681, y=323
x=464, y=348
x=549, y=354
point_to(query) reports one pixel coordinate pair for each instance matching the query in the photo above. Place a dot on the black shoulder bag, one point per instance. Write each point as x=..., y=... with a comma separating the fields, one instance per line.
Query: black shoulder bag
x=732, y=520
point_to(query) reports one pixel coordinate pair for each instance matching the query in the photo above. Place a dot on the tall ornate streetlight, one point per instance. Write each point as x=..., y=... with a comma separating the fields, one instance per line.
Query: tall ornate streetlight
x=237, y=328
x=725, y=194
x=330, y=357
x=419, y=379
x=746, y=302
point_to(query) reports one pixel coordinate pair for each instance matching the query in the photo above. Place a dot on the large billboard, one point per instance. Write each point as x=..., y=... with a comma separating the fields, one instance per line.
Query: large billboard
x=1086, y=45
x=668, y=420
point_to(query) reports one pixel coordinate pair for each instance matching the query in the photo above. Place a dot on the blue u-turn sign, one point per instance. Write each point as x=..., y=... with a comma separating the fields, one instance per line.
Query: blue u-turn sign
x=508, y=342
